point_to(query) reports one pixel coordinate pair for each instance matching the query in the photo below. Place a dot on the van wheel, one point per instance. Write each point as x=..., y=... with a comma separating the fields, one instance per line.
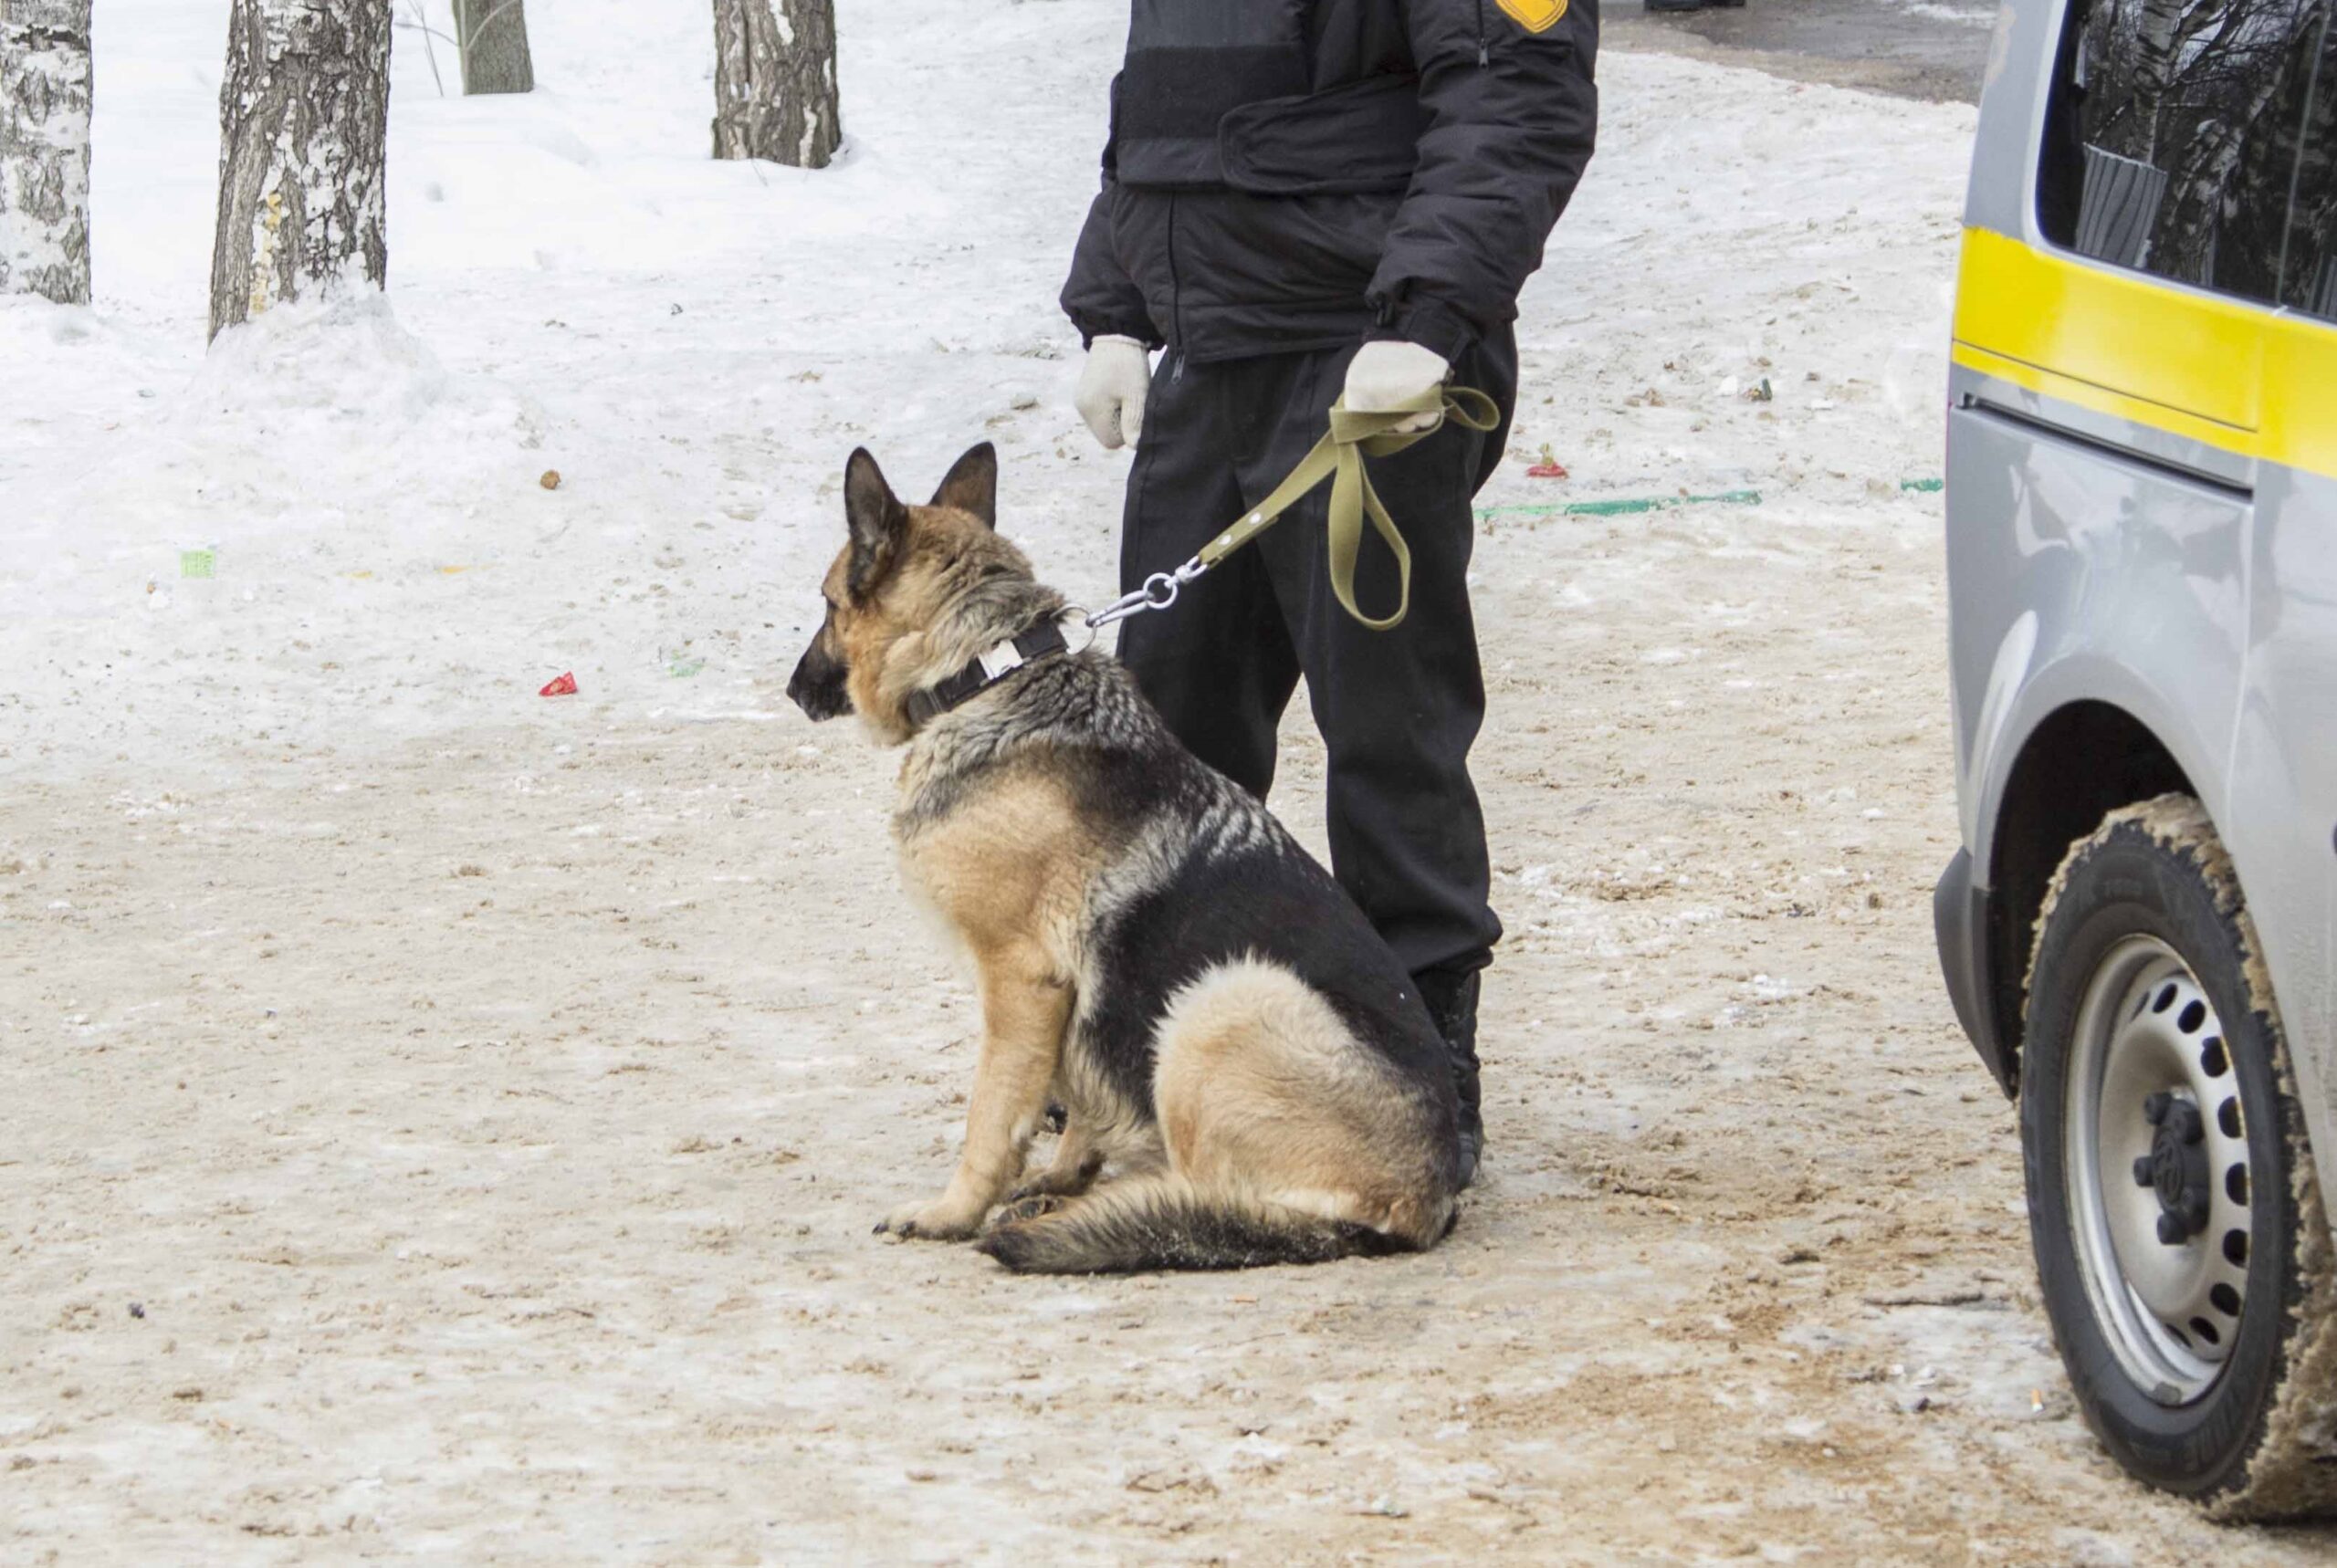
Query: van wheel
x=2180, y=1238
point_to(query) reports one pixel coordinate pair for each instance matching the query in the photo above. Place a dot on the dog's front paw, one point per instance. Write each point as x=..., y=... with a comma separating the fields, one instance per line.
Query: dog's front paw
x=929, y=1222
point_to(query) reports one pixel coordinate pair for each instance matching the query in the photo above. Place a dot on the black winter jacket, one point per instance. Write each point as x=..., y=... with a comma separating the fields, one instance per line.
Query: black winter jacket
x=1297, y=175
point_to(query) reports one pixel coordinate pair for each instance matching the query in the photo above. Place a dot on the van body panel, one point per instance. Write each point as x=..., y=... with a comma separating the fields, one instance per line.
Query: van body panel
x=2141, y=511
x=2007, y=143
x=2281, y=826
x=2207, y=614
x=1986, y=381
x=2077, y=576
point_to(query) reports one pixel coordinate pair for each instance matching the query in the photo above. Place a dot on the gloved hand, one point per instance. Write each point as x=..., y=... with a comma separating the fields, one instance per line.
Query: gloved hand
x=1385, y=375
x=1112, y=387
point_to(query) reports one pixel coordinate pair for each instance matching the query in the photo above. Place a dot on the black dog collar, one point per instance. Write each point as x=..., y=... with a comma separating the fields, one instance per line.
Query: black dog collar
x=993, y=665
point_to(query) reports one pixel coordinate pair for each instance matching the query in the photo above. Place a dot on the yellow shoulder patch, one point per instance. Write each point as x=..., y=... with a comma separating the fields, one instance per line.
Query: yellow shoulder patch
x=1535, y=16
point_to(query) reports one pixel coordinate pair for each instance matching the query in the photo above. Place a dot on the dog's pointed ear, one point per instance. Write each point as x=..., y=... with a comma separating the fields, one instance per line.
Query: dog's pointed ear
x=972, y=485
x=878, y=522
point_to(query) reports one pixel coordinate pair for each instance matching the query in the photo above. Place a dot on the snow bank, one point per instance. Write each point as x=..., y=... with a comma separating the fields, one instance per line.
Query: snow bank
x=302, y=370
x=333, y=408
x=695, y=346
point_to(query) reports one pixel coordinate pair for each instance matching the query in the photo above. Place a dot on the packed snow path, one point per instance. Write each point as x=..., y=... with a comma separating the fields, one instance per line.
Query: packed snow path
x=444, y=1124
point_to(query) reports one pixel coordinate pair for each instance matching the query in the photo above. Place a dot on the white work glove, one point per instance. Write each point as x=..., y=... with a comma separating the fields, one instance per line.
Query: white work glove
x=1112, y=387
x=1386, y=374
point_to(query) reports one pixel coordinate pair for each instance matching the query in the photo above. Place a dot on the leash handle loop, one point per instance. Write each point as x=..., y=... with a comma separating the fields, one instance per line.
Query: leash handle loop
x=1337, y=458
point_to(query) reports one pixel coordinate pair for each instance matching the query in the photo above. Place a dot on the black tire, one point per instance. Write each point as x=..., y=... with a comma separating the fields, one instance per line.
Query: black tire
x=2257, y=1442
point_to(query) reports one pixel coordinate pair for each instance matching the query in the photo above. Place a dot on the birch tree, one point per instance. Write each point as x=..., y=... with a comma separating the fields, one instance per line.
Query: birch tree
x=45, y=84
x=775, y=82
x=492, y=37
x=303, y=119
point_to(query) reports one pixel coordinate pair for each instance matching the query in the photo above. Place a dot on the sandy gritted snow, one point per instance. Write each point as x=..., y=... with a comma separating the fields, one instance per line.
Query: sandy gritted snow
x=443, y=1123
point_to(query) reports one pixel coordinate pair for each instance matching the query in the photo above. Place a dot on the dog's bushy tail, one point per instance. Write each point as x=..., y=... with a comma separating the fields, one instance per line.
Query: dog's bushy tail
x=1165, y=1222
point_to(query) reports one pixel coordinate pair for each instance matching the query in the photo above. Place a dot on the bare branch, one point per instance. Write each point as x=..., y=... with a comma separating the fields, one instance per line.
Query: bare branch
x=421, y=23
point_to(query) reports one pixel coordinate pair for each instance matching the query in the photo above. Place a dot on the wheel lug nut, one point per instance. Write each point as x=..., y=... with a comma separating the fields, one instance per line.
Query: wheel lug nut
x=2154, y=1108
x=2145, y=1171
x=2172, y=1230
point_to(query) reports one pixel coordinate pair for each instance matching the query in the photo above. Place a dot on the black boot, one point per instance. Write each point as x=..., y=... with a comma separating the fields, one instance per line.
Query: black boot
x=1452, y=999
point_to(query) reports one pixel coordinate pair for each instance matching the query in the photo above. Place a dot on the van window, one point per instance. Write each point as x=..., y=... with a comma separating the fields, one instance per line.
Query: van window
x=2309, y=277
x=2172, y=132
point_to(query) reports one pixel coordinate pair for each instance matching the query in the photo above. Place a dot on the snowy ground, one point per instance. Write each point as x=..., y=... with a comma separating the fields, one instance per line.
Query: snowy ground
x=440, y=1123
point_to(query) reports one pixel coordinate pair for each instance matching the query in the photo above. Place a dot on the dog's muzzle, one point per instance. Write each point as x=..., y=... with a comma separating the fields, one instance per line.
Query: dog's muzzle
x=817, y=687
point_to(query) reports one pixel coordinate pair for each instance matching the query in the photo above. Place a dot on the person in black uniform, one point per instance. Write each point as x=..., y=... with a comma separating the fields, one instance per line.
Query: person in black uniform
x=1307, y=199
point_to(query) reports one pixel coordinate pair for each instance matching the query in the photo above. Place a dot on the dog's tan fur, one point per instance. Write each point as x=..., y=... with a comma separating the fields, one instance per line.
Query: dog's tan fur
x=1261, y=1091
x=1010, y=877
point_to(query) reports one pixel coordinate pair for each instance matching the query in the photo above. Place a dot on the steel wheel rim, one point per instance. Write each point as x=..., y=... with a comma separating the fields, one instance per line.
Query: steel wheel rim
x=2170, y=1310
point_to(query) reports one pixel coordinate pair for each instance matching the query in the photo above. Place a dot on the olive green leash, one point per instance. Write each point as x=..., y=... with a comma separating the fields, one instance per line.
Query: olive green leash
x=1337, y=458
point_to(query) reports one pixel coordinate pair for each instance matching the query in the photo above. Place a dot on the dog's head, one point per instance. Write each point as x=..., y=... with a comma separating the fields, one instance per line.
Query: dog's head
x=904, y=574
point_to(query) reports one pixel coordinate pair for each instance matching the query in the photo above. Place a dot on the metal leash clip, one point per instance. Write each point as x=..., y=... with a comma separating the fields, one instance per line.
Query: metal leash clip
x=1158, y=592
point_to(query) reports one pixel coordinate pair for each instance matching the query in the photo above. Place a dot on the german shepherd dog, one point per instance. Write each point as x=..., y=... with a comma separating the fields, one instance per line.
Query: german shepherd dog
x=1227, y=1036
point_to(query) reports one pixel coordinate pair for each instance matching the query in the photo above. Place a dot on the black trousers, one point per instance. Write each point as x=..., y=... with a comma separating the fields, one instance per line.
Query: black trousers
x=1397, y=710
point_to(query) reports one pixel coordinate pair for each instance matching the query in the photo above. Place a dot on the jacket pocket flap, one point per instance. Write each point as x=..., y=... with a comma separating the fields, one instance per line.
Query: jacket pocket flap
x=1362, y=137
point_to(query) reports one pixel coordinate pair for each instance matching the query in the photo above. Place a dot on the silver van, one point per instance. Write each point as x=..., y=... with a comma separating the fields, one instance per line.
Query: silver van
x=2140, y=931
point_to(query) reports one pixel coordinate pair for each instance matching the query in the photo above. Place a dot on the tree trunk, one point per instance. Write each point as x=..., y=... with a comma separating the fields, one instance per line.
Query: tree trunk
x=303, y=116
x=775, y=82
x=2155, y=27
x=45, y=148
x=493, y=34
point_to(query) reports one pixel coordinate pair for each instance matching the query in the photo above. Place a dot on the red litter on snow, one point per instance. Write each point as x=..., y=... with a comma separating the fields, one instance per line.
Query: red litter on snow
x=1552, y=469
x=562, y=687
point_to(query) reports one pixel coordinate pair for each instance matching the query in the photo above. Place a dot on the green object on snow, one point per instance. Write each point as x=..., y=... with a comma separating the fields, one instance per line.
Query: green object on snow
x=1623, y=507
x=198, y=563
x=684, y=667
x=1924, y=486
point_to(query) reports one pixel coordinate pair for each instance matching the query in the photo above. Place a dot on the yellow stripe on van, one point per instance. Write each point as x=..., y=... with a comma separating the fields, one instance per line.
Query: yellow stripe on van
x=2241, y=377
x=2299, y=426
